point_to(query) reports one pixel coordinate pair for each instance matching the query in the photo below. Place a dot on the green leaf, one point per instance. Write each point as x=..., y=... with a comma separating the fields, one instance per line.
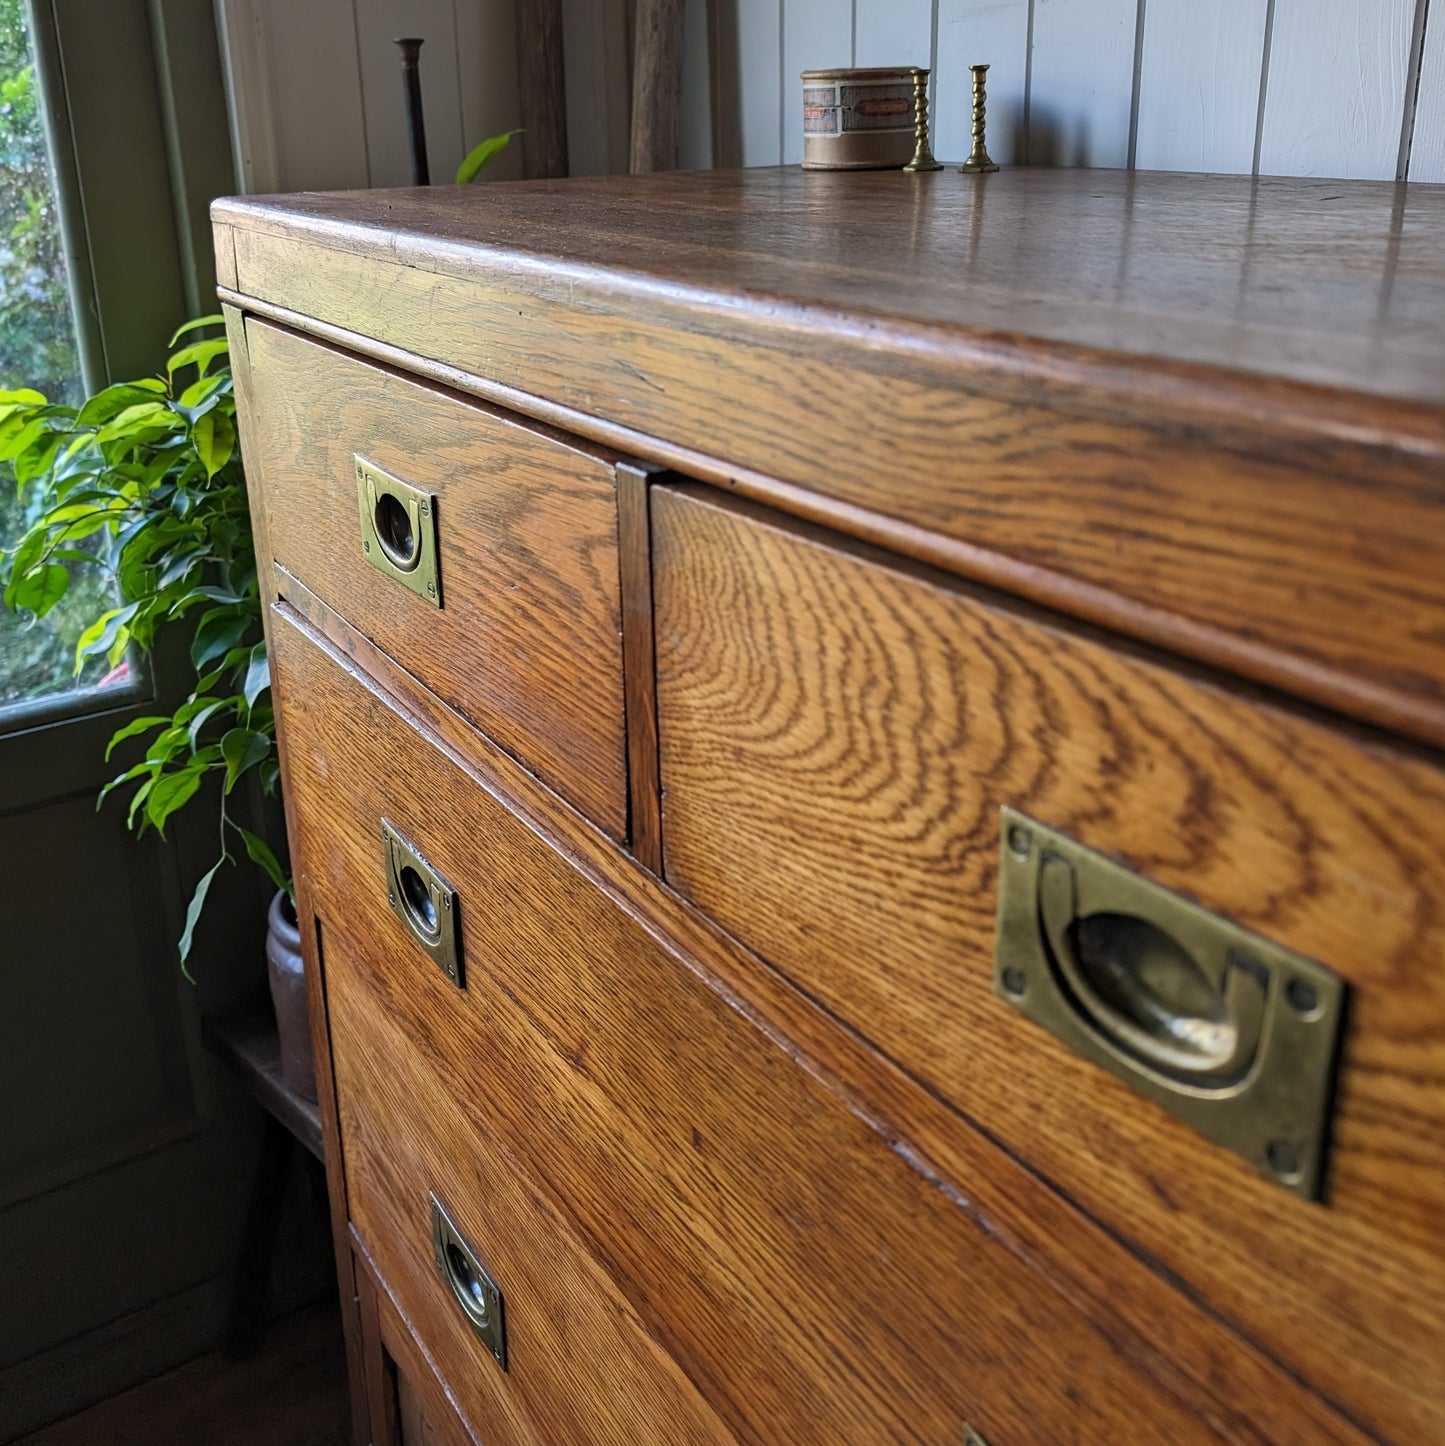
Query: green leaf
x=215, y=319
x=233, y=659
x=220, y=630
x=184, y=561
x=203, y=716
x=134, y=771
x=477, y=158
x=169, y=792
x=198, y=902
x=136, y=725
x=199, y=355
x=215, y=439
x=104, y=405
x=165, y=745
x=258, y=675
x=37, y=461
x=260, y=854
x=201, y=396
x=24, y=397
x=101, y=635
x=138, y=798
x=40, y=589
x=15, y=440
x=242, y=748
x=144, y=416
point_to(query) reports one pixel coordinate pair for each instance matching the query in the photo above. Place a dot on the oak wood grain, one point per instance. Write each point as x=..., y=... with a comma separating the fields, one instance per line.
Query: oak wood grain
x=580, y=1367
x=635, y=547
x=1204, y=411
x=1229, y=1378
x=527, y=643
x=737, y=1201
x=429, y=1414
x=383, y=1408
x=315, y=981
x=420, y=1429
x=225, y=248
x=837, y=736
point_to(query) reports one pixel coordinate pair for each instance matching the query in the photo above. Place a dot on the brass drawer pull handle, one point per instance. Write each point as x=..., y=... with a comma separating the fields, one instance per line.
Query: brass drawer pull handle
x=423, y=900
x=470, y=1283
x=1233, y=1034
x=1144, y=994
x=398, y=530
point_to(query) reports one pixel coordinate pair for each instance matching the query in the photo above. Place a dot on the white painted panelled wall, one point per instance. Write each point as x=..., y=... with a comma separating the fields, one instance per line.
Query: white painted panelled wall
x=1342, y=88
x=315, y=88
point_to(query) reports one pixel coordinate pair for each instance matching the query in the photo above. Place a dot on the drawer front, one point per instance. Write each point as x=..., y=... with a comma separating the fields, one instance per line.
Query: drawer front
x=838, y=737
x=579, y=1365
x=526, y=643
x=813, y=1283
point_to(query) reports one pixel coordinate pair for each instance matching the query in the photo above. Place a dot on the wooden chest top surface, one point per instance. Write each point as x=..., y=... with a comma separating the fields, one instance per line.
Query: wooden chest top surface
x=1320, y=282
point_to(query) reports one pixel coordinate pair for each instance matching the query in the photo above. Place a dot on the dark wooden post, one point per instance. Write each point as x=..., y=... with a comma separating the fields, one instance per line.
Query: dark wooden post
x=415, y=121
x=656, y=85
x=543, y=84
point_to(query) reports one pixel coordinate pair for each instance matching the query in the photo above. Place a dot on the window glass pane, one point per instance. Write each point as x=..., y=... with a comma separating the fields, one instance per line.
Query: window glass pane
x=37, y=350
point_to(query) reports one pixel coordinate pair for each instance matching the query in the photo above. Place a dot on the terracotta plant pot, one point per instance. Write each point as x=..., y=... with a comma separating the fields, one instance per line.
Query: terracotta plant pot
x=288, y=995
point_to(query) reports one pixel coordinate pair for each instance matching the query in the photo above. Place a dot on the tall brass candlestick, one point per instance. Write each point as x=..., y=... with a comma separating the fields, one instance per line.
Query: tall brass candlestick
x=978, y=161
x=922, y=153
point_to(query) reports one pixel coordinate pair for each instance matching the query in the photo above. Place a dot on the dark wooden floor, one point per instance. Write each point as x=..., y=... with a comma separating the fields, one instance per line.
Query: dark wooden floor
x=292, y=1392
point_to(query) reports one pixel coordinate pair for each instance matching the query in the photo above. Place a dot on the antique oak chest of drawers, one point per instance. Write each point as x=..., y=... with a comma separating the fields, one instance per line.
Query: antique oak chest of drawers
x=863, y=760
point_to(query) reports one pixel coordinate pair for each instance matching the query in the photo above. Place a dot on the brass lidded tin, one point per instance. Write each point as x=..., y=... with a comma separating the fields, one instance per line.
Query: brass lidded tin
x=857, y=120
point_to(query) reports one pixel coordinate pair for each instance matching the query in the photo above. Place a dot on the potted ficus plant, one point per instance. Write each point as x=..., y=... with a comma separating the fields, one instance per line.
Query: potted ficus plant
x=144, y=481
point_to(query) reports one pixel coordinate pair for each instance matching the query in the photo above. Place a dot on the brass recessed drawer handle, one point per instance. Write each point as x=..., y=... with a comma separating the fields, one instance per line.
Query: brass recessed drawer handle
x=1234, y=1034
x=423, y=900
x=399, y=530
x=471, y=1285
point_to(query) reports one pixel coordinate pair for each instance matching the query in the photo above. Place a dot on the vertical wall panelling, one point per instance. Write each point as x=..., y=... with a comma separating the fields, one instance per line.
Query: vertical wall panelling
x=315, y=85
x=241, y=29
x=1199, y=85
x=378, y=24
x=314, y=88
x=1082, y=82
x=1427, y=148
x=486, y=47
x=893, y=32
x=695, y=138
x=981, y=32
x=757, y=88
x=1075, y=82
x=1335, y=95
x=817, y=35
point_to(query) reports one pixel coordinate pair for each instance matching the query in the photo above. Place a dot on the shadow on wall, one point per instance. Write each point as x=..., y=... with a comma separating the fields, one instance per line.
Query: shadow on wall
x=1046, y=141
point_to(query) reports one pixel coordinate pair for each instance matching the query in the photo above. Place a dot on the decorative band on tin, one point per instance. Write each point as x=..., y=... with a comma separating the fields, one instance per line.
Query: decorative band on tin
x=820, y=110
x=877, y=107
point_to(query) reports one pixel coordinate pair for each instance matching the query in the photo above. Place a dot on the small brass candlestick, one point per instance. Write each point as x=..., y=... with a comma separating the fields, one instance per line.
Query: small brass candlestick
x=922, y=154
x=978, y=161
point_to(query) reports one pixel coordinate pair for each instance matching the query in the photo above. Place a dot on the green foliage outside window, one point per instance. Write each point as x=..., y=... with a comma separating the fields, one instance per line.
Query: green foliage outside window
x=37, y=349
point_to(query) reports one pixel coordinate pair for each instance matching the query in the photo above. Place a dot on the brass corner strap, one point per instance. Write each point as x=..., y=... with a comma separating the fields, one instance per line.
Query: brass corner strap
x=1233, y=1034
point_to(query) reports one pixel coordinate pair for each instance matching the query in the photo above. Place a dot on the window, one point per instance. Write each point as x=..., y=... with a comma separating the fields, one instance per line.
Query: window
x=37, y=350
